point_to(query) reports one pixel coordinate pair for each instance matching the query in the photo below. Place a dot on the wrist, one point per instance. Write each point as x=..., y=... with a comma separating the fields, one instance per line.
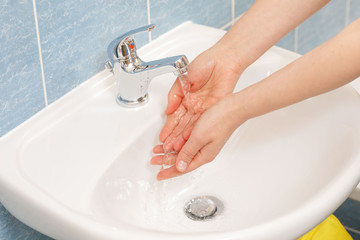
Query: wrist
x=236, y=111
x=228, y=56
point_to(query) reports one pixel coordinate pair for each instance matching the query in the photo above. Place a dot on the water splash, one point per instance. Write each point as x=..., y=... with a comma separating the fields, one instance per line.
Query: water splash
x=121, y=188
x=170, y=153
x=169, y=159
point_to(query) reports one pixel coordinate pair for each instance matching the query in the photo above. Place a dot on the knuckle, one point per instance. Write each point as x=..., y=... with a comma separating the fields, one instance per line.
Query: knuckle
x=186, y=155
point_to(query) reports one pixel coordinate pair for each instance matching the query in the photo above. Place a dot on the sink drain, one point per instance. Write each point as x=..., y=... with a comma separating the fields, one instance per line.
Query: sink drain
x=203, y=208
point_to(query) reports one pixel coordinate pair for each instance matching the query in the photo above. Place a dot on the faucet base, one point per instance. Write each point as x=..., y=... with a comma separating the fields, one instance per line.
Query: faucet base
x=132, y=103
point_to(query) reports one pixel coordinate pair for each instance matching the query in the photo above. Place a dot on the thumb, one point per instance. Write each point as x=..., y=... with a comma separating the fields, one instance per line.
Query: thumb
x=175, y=97
x=188, y=153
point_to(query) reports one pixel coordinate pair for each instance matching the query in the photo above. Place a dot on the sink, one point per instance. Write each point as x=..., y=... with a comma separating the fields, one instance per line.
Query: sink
x=80, y=168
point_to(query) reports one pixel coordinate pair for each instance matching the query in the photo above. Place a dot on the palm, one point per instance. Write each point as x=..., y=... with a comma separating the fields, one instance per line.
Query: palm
x=208, y=82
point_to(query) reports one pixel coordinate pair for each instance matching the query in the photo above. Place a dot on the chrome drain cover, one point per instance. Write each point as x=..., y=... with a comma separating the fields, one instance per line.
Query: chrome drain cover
x=203, y=208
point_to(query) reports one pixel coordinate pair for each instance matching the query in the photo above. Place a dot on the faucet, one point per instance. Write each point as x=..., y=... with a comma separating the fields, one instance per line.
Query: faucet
x=132, y=75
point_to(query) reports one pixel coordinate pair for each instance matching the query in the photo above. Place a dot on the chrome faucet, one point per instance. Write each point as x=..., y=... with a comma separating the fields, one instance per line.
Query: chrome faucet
x=132, y=75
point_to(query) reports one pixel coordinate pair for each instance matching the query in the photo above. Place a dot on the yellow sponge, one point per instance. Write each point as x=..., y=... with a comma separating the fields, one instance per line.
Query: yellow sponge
x=329, y=229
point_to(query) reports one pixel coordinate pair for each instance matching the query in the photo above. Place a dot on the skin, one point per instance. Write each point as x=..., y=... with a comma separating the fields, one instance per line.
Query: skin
x=214, y=73
x=327, y=67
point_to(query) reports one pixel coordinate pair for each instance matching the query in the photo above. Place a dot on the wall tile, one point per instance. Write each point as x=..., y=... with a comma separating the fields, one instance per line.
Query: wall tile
x=227, y=28
x=322, y=26
x=167, y=14
x=354, y=12
x=288, y=42
x=75, y=34
x=354, y=235
x=241, y=6
x=21, y=91
x=12, y=229
x=349, y=214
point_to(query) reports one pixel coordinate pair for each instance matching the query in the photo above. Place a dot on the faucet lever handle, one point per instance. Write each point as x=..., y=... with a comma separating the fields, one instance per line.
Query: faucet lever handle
x=124, y=46
x=147, y=28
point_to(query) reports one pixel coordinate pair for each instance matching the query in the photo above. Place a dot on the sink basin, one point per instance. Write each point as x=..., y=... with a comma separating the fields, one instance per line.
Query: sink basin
x=80, y=168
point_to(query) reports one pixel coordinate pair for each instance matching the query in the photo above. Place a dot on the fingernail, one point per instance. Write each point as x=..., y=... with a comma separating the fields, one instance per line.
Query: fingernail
x=182, y=166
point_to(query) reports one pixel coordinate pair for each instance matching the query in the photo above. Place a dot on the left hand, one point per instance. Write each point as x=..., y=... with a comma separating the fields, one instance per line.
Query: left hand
x=209, y=135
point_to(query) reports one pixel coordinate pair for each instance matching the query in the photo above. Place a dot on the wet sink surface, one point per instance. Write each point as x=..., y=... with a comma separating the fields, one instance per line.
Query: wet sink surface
x=80, y=168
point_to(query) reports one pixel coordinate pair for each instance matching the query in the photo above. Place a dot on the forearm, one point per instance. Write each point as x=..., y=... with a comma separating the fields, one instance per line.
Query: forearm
x=327, y=67
x=263, y=25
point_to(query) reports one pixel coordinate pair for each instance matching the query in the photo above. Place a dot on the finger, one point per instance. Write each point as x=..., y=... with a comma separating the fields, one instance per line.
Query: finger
x=175, y=97
x=169, y=144
x=158, y=149
x=170, y=172
x=171, y=122
x=188, y=152
x=205, y=155
x=181, y=140
x=179, y=143
x=157, y=160
x=178, y=130
x=167, y=159
x=170, y=159
x=198, y=161
x=185, y=134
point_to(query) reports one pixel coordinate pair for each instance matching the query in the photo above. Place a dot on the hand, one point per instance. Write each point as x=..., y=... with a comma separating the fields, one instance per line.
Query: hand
x=209, y=135
x=211, y=76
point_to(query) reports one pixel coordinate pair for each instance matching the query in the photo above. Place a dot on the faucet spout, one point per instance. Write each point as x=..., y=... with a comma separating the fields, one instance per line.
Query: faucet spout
x=176, y=64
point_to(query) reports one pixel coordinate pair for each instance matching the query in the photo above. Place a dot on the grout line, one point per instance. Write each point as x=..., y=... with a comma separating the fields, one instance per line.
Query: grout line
x=227, y=25
x=347, y=12
x=232, y=12
x=230, y=23
x=296, y=39
x=148, y=17
x=352, y=230
x=40, y=54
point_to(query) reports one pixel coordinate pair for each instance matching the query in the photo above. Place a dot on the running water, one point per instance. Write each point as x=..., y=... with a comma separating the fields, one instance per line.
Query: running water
x=170, y=154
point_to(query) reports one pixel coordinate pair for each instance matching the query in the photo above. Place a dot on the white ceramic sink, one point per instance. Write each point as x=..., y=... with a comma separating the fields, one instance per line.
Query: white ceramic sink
x=80, y=168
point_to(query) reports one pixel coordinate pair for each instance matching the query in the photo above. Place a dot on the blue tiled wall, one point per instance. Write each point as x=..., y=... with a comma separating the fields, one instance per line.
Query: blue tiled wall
x=73, y=36
x=21, y=92
x=322, y=26
x=211, y=13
